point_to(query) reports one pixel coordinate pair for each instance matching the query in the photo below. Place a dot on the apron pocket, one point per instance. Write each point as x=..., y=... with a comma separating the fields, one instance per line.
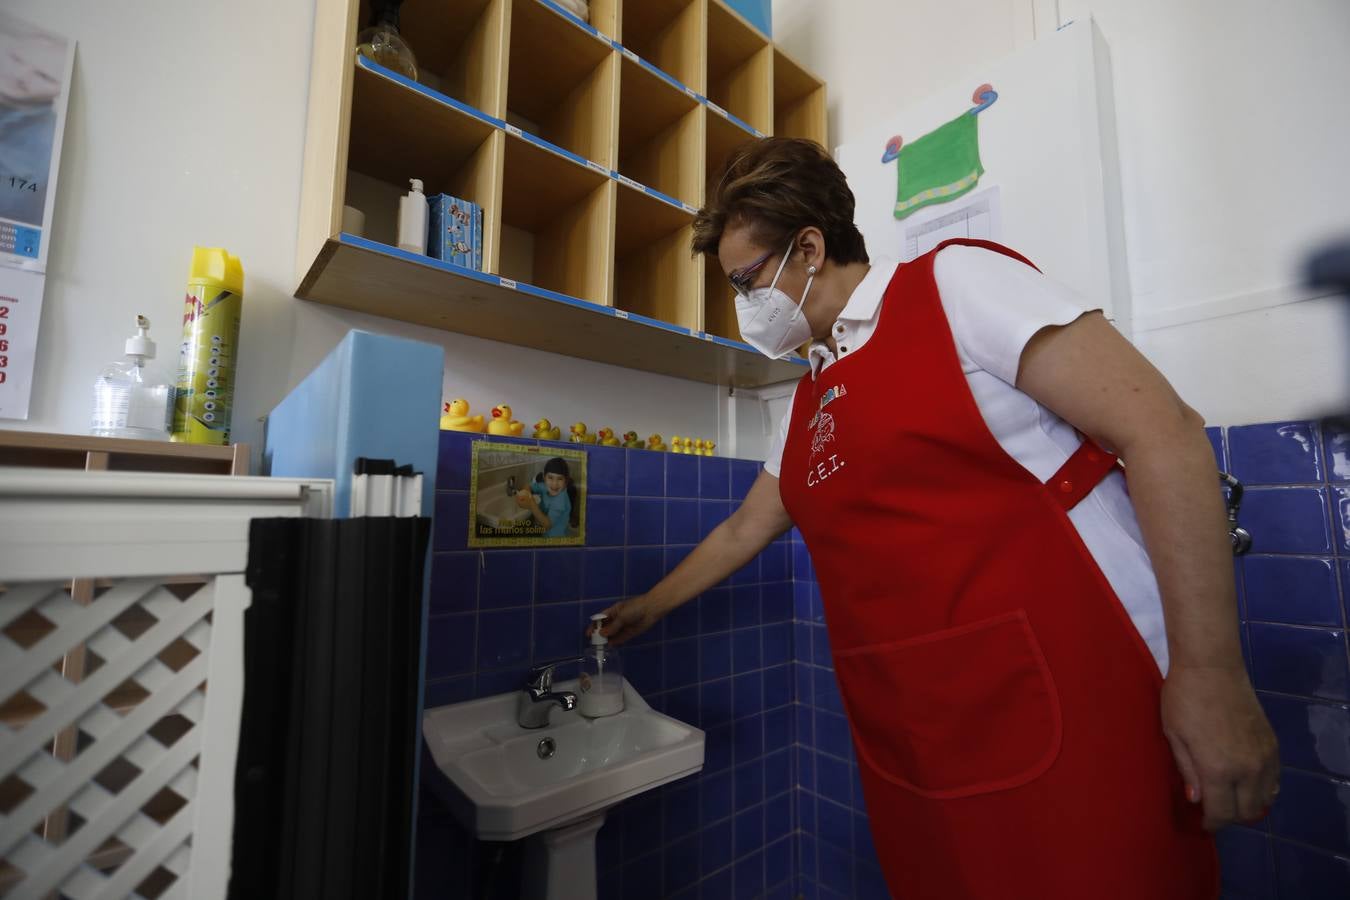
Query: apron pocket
x=959, y=712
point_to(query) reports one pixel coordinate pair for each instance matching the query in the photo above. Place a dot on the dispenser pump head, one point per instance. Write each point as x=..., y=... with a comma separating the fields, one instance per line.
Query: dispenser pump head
x=416, y=185
x=139, y=344
x=598, y=638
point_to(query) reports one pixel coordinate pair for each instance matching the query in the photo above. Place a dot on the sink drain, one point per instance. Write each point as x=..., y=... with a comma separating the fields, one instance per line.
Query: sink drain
x=546, y=748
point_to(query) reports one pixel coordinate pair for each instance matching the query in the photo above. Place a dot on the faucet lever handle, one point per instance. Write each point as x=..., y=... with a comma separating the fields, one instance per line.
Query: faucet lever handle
x=541, y=676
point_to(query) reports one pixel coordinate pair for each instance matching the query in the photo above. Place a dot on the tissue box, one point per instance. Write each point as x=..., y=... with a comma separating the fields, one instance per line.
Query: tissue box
x=455, y=231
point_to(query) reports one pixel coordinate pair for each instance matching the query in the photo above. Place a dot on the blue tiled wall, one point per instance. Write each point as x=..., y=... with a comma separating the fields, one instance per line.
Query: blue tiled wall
x=722, y=662
x=778, y=809
x=1294, y=595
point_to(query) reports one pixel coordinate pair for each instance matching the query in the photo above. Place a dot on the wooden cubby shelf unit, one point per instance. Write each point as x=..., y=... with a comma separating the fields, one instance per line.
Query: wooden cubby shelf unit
x=589, y=148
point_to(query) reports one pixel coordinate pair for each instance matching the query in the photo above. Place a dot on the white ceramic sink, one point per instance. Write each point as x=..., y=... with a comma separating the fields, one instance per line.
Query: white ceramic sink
x=503, y=788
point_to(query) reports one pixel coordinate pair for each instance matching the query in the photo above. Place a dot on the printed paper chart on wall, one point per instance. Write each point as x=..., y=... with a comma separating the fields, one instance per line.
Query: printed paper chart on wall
x=1022, y=151
x=35, y=70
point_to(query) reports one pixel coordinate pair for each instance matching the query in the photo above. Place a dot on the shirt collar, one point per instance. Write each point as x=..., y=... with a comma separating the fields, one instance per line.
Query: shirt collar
x=862, y=306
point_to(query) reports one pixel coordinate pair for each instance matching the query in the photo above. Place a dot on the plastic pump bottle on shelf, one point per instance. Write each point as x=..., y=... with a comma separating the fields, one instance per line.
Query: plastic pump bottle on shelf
x=412, y=219
x=129, y=403
x=381, y=41
x=601, y=676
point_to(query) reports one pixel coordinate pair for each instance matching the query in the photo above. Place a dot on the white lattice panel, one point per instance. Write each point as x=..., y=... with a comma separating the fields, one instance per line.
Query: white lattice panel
x=116, y=761
x=129, y=790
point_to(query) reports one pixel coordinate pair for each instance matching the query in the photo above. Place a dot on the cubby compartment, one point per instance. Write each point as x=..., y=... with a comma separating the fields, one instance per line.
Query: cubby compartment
x=740, y=62
x=660, y=134
x=798, y=101
x=669, y=35
x=561, y=82
x=400, y=133
x=655, y=275
x=719, y=306
x=458, y=54
x=557, y=225
x=719, y=302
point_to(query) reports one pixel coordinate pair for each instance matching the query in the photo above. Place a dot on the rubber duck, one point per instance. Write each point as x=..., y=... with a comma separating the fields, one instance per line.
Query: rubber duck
x=547, y=431
x=606, y=438
x=455, y=417
x=503, y=424
x=655, y=443
x=631, y=441
x=708, y=448
x=580, y=435
x=677, y=445
x=696, y=446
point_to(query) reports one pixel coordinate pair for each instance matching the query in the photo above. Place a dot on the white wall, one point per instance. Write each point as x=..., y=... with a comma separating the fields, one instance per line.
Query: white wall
x=186, y=126
x=1232, y=145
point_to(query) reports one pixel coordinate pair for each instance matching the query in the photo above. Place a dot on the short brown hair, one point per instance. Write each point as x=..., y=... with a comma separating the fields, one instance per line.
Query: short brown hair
x=779, y=186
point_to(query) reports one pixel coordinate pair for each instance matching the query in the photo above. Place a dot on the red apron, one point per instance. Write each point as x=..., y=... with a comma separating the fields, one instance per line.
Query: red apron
x=1004, y=709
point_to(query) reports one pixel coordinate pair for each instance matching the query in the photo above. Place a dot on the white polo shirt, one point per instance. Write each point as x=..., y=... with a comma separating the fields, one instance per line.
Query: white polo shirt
x=994, y=305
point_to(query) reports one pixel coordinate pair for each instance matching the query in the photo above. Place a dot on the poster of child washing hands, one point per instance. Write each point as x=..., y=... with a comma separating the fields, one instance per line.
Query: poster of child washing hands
x=523, y=496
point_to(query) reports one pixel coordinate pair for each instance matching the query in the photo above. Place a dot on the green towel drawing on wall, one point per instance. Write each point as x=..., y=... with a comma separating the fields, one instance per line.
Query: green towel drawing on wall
x=943, y=164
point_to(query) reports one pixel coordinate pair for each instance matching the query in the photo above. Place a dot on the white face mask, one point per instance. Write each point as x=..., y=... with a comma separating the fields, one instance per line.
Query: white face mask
x=769, y=320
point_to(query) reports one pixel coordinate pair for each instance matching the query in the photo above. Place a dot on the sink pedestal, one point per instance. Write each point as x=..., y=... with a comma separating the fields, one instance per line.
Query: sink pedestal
x=560, y=863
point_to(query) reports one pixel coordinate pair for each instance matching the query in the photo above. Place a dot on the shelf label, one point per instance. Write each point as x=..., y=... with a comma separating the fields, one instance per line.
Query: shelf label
x=717, y=109
x=511, y=129
x=597, y=167
x=631, y=183
x=707, y=337
x=620, y=313
x=507, y=283
x=631, y=55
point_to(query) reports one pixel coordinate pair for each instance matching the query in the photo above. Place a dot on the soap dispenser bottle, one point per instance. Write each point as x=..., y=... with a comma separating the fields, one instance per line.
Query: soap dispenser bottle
x=412, y=219
x=601, y=676
x=130, y=402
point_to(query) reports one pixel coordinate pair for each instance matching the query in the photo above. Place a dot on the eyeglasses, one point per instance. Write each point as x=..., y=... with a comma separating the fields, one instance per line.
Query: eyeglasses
x=742, y=278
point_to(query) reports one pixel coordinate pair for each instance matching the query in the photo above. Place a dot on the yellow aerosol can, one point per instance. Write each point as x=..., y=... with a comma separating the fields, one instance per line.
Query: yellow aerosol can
x=205, y=391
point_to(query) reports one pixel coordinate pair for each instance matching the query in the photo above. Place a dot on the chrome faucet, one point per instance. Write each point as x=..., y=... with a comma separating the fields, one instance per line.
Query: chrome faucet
x=511, y=486
x=537, y=698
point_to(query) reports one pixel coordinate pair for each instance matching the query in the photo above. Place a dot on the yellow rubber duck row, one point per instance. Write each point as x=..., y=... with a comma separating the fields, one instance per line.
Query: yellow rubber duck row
x=692, y=446
x=455, y=416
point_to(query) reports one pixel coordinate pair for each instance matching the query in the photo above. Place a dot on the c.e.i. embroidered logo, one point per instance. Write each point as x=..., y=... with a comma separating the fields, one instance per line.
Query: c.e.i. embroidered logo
x=822, y=434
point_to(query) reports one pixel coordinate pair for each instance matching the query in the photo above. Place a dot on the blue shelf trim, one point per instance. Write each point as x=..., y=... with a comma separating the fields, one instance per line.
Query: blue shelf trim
x=411, y=85
x=419, y=258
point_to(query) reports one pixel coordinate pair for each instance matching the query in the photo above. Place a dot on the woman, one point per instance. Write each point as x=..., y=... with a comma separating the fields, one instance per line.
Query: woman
x=1042, y=672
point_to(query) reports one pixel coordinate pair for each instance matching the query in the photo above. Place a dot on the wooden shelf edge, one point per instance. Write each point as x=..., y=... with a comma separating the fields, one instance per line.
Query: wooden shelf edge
x=120, y=446
x=363, y=275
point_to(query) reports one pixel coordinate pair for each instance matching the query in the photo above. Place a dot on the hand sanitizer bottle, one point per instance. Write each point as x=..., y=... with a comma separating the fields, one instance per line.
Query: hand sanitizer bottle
x=601, y=676
x=412, y=219
x=128, y=403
